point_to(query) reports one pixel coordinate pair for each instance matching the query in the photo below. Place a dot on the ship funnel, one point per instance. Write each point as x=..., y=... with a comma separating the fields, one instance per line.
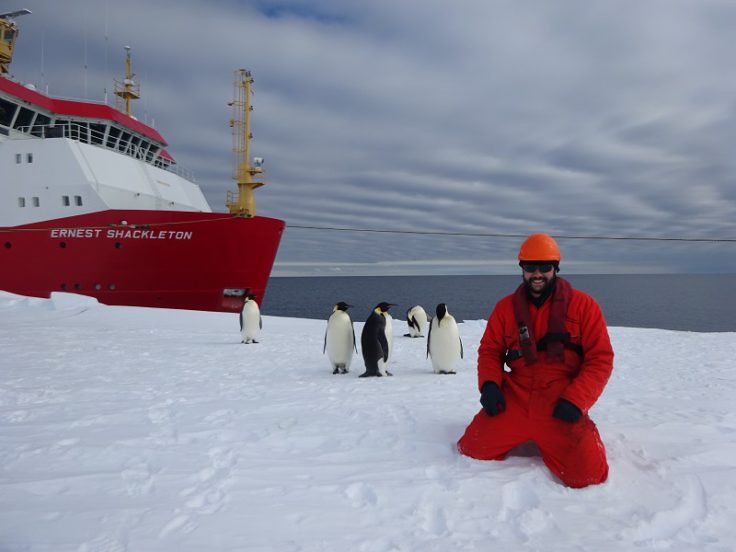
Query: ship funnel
x=8, y=36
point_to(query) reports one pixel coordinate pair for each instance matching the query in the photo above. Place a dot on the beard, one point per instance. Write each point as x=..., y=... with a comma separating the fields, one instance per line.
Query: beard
x=540, y=285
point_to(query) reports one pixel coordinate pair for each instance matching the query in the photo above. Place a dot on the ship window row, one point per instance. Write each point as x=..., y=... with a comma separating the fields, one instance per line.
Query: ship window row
x=66, y=201
x=110, y=136
x=35, y=201
x=19, y=158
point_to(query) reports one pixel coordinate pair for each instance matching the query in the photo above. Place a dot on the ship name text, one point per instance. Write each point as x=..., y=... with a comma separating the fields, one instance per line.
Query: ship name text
x=120, y=233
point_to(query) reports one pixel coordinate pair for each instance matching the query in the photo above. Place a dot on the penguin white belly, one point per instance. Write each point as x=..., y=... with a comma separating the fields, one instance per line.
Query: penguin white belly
x=340, y=342
x=389, y=337
x=444, y=345
x=251, y=319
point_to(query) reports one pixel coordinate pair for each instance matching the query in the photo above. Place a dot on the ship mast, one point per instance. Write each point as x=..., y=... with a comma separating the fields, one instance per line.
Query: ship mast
x=244, y=204
x=128, y=89
x=8, y=35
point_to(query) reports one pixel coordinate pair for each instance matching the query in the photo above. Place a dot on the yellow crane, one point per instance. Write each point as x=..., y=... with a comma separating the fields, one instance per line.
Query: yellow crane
x=8, y=35
x=244, y=204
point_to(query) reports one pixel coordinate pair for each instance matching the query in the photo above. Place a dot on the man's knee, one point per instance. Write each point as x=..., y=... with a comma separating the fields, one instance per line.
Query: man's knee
x=578, y=459
x=487, y=438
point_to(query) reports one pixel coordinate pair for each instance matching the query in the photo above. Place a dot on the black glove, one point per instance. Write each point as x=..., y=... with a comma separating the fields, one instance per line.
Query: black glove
x=566, y=411
x=492, y=399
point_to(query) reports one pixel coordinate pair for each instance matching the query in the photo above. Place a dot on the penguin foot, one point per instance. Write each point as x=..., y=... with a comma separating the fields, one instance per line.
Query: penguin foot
x=388, y=373
x=448, y=372
x=335, y=371
x=369, y=375
x=408, y=335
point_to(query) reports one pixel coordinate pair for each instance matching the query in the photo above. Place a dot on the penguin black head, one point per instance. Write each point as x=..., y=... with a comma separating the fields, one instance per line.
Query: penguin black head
x=383, y=306
x=342, y=305
x=441, y=311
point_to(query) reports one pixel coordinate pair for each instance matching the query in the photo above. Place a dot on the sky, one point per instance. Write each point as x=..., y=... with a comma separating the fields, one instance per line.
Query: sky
x=485, y=118
x=135, y=429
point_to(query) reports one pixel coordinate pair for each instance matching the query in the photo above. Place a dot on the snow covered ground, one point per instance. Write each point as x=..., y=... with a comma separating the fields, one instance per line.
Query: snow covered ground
x=130, y=429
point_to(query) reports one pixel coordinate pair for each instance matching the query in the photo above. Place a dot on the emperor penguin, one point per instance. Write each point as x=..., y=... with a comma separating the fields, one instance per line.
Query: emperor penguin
x=250, y=320
x=340, y=339
x=373, y=342
x=416, y=318
x=443, y=342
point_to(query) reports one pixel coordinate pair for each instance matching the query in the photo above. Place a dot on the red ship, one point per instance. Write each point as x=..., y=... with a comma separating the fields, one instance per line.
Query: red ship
x=92, y=203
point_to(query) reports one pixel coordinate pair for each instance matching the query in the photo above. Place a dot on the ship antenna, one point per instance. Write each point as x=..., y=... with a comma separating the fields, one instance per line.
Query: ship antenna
x=9, y=33
x=244, y=204
x=128, y=89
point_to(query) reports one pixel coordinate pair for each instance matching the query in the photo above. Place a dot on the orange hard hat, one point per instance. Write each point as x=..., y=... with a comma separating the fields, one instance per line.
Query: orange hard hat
x=539, y=247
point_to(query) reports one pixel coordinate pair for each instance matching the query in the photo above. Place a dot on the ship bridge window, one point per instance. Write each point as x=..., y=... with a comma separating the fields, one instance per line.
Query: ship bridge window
x=97, y=133
x=41, y=125
x=151, y=153
x=112, y=137
x=24, y=118
x=123, y=143
x=143, y=151
x=62, y=127
x=7, y=111
x=80, y=131
x=135, y=143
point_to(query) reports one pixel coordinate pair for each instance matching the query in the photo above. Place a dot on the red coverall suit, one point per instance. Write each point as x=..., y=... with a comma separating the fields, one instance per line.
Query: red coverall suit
x=572, y=451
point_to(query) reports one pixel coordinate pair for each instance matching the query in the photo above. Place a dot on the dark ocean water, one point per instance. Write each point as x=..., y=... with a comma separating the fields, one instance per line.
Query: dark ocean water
x=691, y=302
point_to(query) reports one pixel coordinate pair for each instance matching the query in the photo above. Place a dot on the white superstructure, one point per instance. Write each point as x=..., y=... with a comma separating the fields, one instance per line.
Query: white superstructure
x=56, y=163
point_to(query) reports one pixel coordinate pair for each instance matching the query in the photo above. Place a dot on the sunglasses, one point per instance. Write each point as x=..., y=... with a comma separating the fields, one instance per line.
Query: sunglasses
x=533, y=267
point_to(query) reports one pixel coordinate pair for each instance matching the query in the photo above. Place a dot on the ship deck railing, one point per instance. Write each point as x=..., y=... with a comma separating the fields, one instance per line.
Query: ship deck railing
x=99, y=135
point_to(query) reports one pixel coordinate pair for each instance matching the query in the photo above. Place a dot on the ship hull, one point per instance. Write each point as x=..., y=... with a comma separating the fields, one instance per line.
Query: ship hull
x=169, y=259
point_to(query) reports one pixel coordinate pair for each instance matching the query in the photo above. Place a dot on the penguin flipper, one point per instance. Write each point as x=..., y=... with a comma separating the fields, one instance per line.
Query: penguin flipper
x=461, y=348
x=413, y=323
x=429, y=336
x=384, y=345
x=260, y=322
x=354, y=343
x=241, y=321
x=324, y=349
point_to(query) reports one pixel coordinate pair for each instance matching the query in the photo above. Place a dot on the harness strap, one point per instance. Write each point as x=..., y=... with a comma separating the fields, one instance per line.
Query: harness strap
x=550, y=337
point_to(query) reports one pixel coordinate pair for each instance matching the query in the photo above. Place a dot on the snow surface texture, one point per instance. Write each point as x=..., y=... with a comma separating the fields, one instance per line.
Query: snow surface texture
x=131, y=429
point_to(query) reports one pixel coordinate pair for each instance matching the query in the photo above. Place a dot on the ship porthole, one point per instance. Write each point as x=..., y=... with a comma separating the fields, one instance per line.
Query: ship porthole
x=111, y=286
x=118, y=245
x=8, y=245
x=63, y=286
x=98, y=286
x=77, y=286
x=62, y=244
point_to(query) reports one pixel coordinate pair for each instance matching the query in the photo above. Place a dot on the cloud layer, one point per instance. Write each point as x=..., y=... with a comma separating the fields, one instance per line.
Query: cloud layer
x=610, y=118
